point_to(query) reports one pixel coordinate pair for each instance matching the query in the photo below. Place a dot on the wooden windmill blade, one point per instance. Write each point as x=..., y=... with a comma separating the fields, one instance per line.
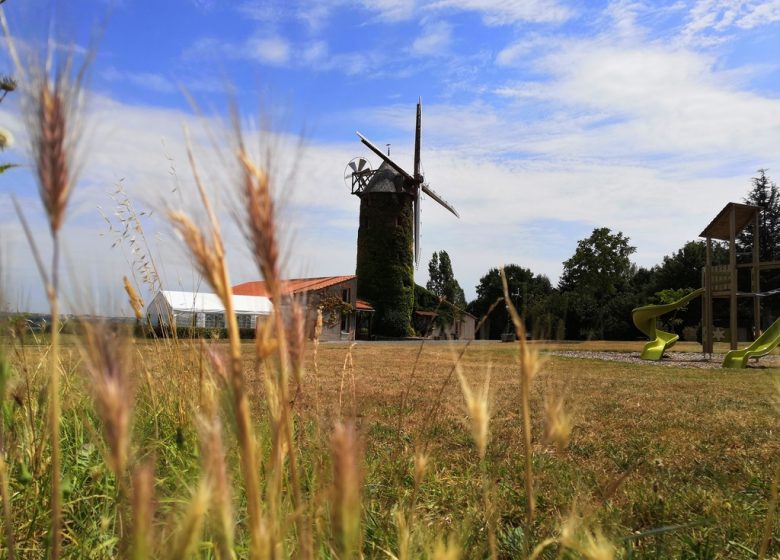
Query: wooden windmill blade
x=379, y=152
x=417, y=135
x=418, y=178
x=427, y=190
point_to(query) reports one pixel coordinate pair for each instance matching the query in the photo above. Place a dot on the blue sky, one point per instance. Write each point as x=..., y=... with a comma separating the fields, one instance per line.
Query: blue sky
x=542, y=120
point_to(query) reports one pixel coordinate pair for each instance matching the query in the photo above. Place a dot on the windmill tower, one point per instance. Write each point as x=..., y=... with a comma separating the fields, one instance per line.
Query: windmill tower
x=388, y=246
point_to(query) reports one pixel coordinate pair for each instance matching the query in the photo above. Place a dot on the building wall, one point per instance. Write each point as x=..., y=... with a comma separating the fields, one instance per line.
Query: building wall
x=158, y=311
x=334, y=330
x=462, y=329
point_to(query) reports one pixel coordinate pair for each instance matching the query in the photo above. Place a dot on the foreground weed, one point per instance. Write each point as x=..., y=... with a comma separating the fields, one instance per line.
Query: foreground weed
x=208, y=252
x=51, y=103
x=529, y=367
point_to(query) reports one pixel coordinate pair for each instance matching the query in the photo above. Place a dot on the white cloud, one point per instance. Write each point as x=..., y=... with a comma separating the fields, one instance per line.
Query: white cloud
x=315, y=52
x=260, y=10
x=277, y=51
x=504, y=12
x=145, y=80
x=520, y=51
x=661, y=101
x=265, y=49
x=708, y=20
x=392, y=10
x=434, y=39
x=269, y=50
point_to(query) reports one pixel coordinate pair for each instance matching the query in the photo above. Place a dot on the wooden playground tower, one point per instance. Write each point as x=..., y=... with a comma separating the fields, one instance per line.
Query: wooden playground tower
x=721, y=281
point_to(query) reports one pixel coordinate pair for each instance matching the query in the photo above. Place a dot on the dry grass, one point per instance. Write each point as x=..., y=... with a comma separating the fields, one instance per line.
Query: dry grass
x=177, y=449
x=650, y=448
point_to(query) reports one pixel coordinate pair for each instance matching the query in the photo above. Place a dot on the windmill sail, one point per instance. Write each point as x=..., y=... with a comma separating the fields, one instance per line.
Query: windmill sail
x=389, y=161
x=419, y=179
x=414, y=183
x=427, y=190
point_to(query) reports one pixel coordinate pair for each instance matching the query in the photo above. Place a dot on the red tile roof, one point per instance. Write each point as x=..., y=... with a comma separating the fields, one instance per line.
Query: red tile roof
x=426, y=313
x=291, y=286
x=363, y=305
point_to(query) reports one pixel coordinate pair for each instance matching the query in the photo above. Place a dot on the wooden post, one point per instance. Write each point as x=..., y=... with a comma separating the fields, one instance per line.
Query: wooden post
x=756, y=277
x=733, y=275
x=707, y=307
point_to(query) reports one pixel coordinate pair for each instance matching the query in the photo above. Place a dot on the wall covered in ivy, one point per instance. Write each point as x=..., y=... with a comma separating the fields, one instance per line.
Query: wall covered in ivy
x=385, y=271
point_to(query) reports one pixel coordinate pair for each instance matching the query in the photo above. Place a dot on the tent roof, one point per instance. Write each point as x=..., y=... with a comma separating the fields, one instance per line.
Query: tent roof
x=205, y=302
x=719, y=227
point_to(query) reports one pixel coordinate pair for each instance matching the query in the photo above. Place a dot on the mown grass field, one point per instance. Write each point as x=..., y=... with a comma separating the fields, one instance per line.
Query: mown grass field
x=687, y=452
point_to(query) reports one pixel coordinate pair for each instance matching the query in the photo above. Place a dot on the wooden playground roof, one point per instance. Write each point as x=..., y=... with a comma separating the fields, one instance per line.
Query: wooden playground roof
x=719, y=227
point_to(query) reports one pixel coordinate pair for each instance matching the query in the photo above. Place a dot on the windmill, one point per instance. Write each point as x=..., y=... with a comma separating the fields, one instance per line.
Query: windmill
x=389, y=233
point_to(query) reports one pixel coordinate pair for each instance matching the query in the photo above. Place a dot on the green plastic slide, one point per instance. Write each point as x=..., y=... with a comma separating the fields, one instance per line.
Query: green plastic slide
x=761, y=346
x=645, y=320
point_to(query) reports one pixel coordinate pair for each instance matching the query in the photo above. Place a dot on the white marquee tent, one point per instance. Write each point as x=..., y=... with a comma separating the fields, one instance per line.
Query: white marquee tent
x=196, y=309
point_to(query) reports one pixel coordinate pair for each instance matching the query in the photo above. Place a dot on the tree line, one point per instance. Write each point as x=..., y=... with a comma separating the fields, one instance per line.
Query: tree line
x=600, y=285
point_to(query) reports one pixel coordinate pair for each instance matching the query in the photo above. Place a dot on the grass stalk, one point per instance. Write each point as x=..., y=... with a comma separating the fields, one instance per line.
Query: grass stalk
x=770, y=516
x=528, y=367
x=261, y=232
x=209, y=254
x=8, y=518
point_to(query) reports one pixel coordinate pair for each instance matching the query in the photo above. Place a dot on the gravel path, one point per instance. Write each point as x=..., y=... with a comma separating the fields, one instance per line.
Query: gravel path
x=670, y=359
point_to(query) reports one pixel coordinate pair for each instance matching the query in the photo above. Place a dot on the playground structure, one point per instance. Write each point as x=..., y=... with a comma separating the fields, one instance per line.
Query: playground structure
x=645, y=319
x=719, y=282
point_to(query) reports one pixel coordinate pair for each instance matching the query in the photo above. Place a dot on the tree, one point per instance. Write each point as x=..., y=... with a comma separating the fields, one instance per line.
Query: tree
x=600, y=264
x=598, y=280
x=527, y=290
x=766, y=195
x=442, y=280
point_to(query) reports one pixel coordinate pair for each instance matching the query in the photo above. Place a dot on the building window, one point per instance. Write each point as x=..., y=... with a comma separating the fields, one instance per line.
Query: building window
x=244, y=320
x=346, y=297
x=185, y=319
x=214, y=321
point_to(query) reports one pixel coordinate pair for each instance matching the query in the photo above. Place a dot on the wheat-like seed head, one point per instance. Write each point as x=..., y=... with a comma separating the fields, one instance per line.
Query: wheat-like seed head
x=215, y=468
x=445, y=550
x=6, y=139
x=208, y=255
x=588, y=541
x=135, y=300
x=296, y=337
x=260, y=227
x=51, y=106
x=558, y=423
x=347, y=479
x=420, y=466
x=265, y=341
x=318, y=325
x=478, y=409
x=190, y=525
x=143, y=511
x=108, y=364
x=404, y=535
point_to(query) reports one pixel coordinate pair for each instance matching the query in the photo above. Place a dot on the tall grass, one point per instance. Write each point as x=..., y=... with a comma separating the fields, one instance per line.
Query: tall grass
x=51, y=102
x=228, y=450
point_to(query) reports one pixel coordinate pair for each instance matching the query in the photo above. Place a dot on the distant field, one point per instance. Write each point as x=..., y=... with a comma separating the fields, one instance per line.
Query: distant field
x=667, y=462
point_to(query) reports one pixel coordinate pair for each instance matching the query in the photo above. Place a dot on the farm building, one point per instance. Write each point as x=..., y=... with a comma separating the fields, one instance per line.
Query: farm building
x=462, y=328
x=204, y=310
x=344, y=316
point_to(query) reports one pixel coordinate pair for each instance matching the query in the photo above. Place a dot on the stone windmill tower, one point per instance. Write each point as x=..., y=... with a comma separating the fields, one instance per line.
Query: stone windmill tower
x=388, y=246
